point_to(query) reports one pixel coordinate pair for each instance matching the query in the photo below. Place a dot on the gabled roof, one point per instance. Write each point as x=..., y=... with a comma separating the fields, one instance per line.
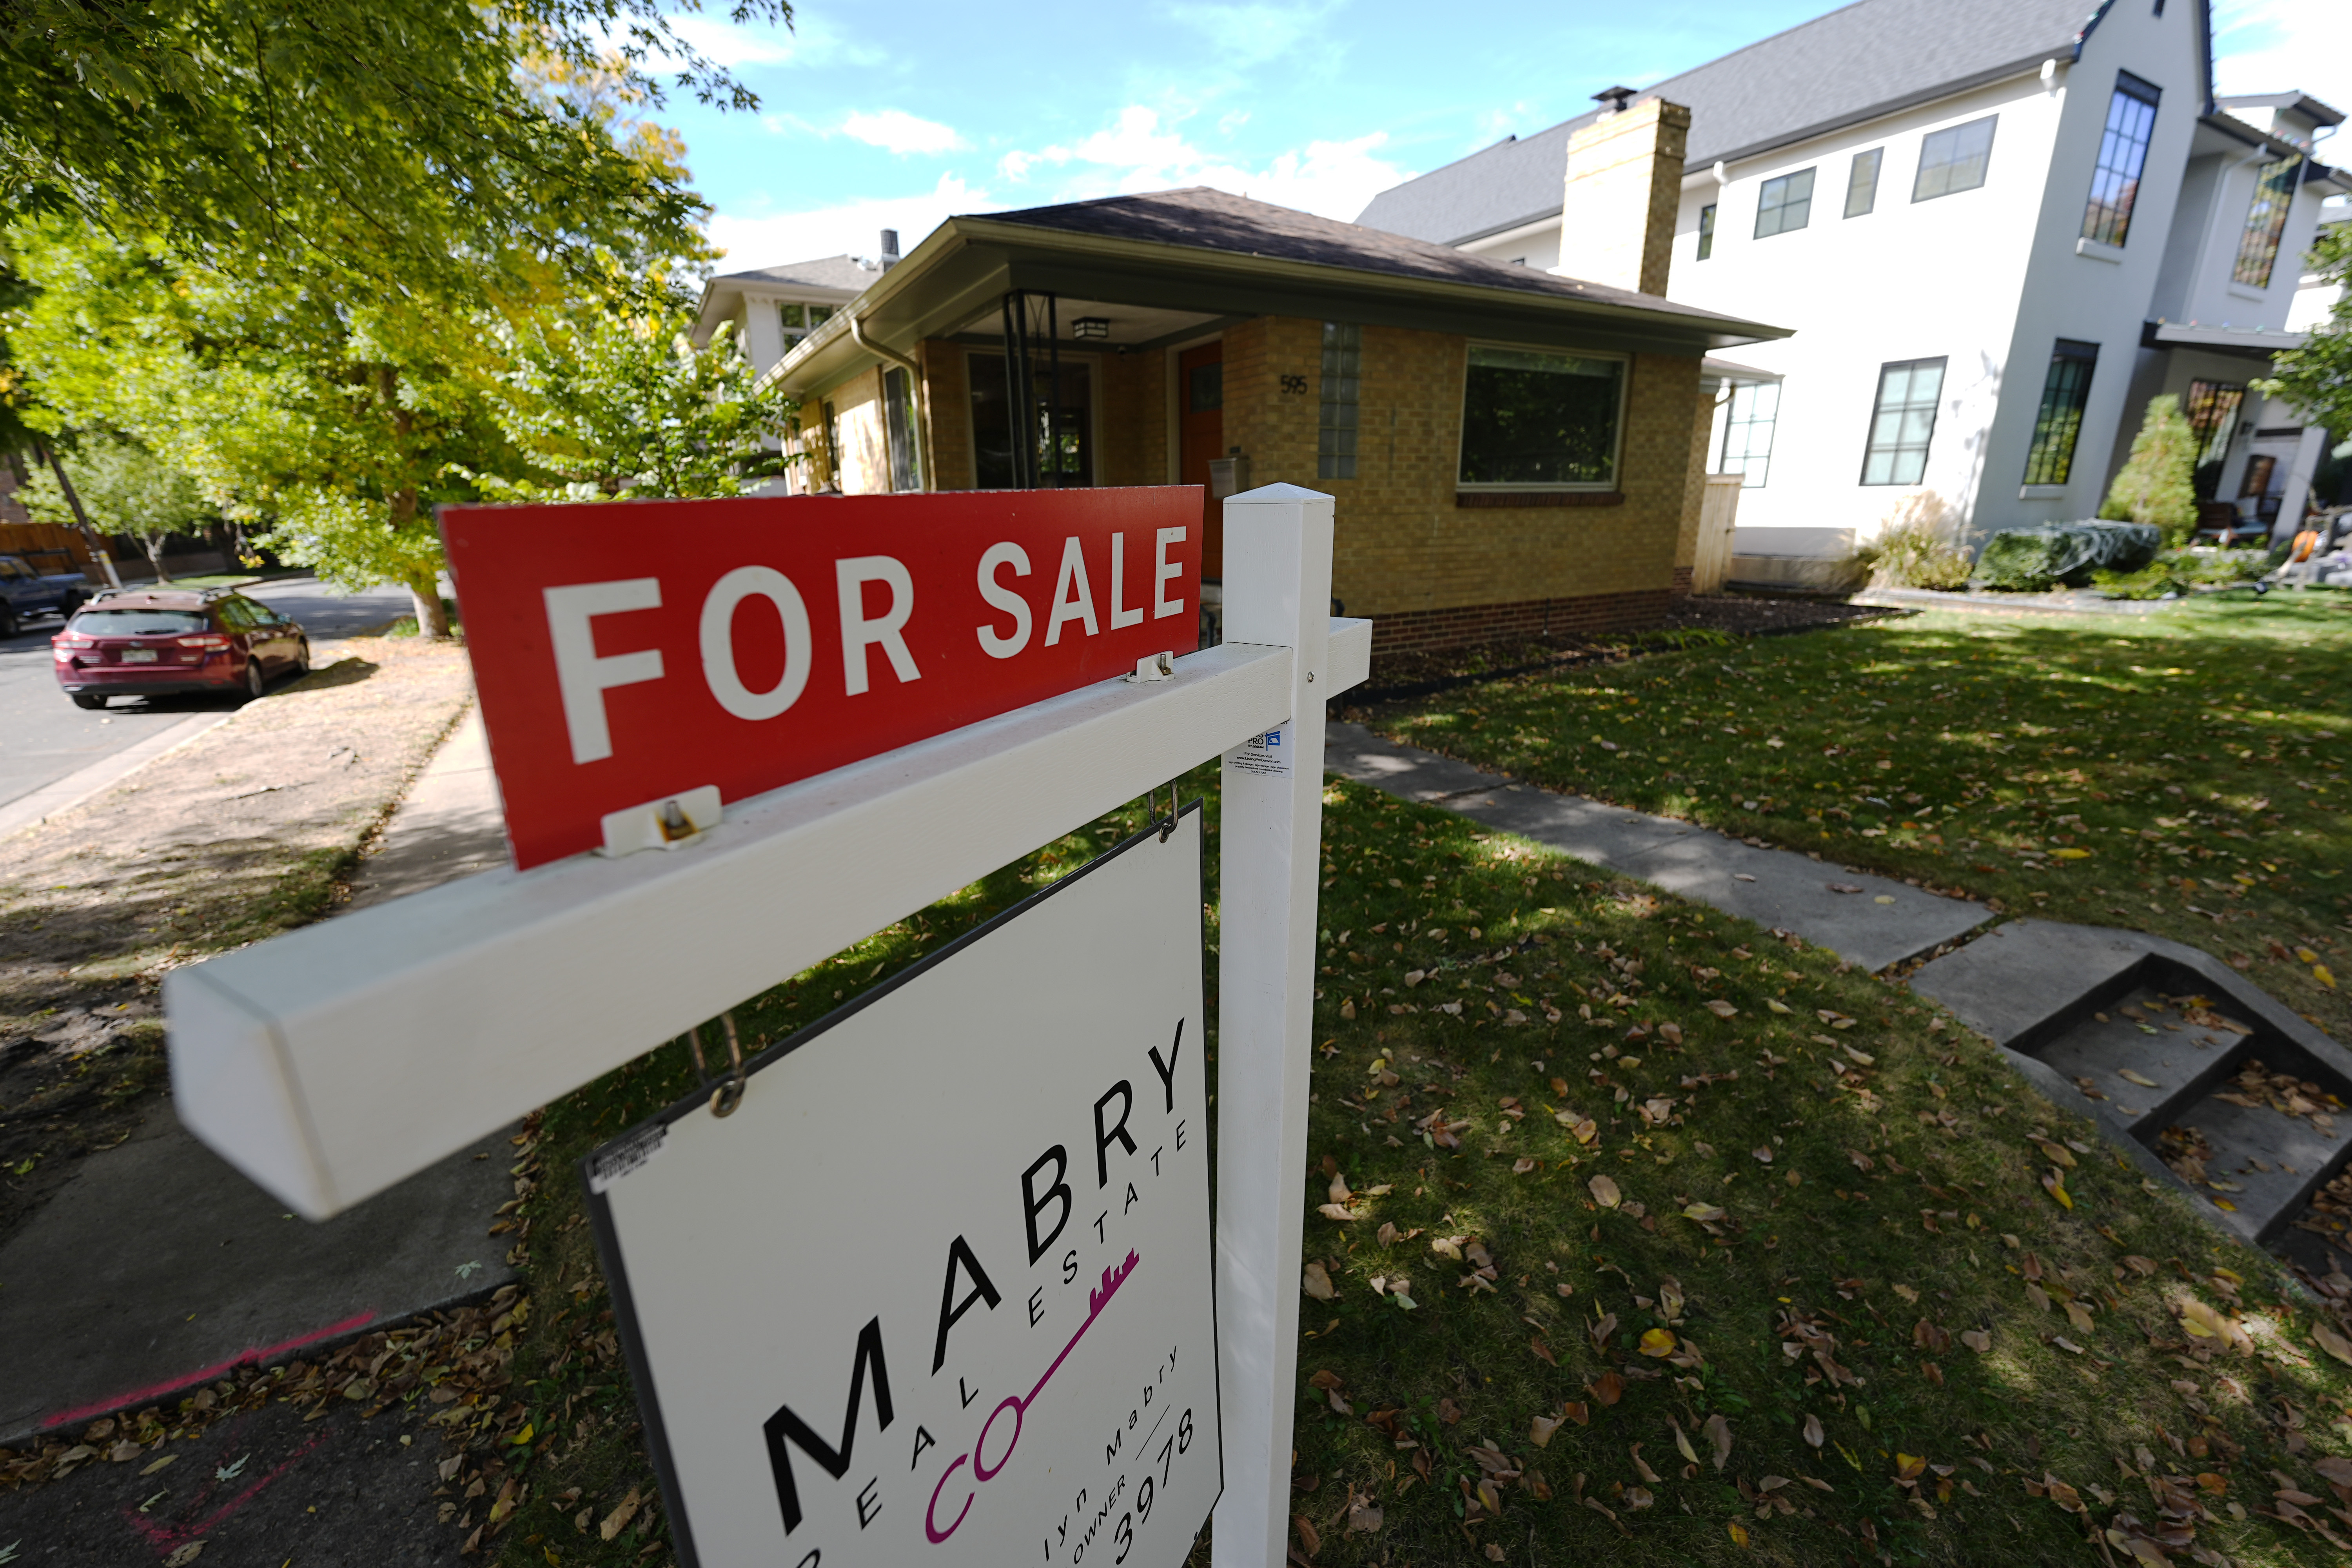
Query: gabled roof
x=1219, y=255
x=1861, y=61
x=846, y=273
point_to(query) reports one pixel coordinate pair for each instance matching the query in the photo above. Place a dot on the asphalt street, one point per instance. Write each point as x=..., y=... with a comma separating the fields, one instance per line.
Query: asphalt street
x=43, y=737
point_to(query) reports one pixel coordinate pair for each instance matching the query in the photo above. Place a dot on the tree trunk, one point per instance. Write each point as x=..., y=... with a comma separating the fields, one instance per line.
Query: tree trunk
x=432, y=618
x=73, y=499
x=154, y=544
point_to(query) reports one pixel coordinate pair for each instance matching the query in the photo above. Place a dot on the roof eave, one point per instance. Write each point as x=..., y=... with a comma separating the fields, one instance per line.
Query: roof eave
x=993, y=255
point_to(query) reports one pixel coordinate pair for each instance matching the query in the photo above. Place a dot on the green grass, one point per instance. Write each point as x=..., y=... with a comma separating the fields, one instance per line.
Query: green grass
x=2181, y=774
x=1942, y=1228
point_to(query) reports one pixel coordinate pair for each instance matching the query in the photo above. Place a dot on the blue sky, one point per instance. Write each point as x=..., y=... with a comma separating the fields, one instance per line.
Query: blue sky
x=878, y=116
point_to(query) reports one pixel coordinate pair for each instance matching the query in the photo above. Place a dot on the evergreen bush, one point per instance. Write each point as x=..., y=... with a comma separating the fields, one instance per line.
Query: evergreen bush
x=2157, y=483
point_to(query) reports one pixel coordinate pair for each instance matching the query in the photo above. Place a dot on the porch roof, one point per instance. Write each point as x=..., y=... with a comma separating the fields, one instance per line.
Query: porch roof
x=1222, y=255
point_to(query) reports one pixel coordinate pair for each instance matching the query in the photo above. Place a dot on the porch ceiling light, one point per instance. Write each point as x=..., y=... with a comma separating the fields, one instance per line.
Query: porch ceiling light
x=1090, y=327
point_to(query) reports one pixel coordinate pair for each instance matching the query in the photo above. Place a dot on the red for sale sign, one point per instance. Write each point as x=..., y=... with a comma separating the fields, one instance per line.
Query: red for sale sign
x=632, y=651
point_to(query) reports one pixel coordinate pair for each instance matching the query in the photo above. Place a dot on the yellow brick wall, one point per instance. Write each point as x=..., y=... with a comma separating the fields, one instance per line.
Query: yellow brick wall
x=949, y=394
x=1133, y=391
x=1402, y=543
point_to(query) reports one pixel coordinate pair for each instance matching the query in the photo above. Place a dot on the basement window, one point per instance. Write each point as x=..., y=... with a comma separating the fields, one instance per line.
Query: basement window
x=1539, y=418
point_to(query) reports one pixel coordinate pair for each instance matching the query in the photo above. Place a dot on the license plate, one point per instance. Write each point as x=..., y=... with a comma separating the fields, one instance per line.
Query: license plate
x=139, y=656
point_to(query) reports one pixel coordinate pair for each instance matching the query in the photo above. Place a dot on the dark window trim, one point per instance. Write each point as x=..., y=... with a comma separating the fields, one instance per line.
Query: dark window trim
x=1781, y=212
x=1934, y=414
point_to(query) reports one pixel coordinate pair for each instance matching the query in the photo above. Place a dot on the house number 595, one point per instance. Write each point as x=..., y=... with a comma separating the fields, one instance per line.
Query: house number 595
x=1294, y=386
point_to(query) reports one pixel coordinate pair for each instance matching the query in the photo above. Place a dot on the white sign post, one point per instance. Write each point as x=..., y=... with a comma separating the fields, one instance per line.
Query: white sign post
x=335, y=1061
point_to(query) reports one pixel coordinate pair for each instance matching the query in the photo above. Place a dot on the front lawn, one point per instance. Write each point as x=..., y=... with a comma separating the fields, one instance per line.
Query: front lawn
x=2181, y=774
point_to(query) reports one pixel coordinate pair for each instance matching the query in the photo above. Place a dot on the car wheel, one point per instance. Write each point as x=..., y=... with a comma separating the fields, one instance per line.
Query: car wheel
x=91, y=699
x=256, y=685
x=7, y=622
x=302, y=657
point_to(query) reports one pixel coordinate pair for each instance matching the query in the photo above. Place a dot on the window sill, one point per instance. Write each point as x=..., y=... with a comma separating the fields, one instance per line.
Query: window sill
x=2099, y=252
x=2241, y=291
x=2041, y=493
x=1539, y=498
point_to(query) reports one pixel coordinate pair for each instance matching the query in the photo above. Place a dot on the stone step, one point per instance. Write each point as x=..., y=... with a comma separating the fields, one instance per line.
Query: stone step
x=2077, y=1007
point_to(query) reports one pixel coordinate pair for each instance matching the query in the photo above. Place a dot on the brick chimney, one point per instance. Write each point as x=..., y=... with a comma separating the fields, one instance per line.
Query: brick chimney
x=1623, y=189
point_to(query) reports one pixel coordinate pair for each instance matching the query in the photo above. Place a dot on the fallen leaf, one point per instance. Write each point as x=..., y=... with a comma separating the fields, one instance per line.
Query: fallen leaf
x=2130, y=1076
x=1777, y=1006
x=1683, y=1443
x=1339, y=1192
x=2057, y=1189
x=1976, y=1339
x=1719, y=1432
x=1522, y=1165
x=1539, y=1431
x=1636, y=1500
x=1657, y=1342
x=1318, y=1282
x=1864, y=1057
x=1387, y=1234
x=618, y=1520
x=1762, y=1153
x=1722, y=1009
x=1738, y=1534
x=1576, y=1410
x=184, y=1555
x=1706, y=1214
x=1362, y=1516
x=166, y=1460
x=2331, y=1342
x=2070, y=854
x=1307, y=1536
x=1814, y=1433
x=1908, y=1293
x=2058, y=1152
x=1340, y=1212
x=1604, y=1191
x=1608, y=1388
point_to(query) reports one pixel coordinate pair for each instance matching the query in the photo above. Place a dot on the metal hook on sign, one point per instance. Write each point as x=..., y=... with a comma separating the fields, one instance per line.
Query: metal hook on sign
x=694, y=1044
x=1168, y=824
x=729, y=1095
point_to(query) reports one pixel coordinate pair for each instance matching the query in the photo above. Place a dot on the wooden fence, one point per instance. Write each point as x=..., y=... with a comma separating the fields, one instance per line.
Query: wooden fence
x=1718, y=513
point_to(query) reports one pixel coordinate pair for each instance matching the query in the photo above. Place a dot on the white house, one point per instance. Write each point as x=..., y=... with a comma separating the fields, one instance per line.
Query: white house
x=1999, y=229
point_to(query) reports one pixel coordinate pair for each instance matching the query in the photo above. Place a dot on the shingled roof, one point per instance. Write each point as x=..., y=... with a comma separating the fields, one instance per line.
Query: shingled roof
x=1201, y=218
x=1858, y=62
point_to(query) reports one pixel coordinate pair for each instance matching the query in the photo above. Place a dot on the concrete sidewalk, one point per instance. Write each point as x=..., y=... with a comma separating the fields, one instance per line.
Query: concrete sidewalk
x=159, y=1266
x=1868, y=920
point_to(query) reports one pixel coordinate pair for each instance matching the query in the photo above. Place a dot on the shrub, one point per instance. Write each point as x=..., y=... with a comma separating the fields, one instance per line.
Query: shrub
x=1914, y=548
x=2027, y=560
x=2158, y=482
x=2178, y=572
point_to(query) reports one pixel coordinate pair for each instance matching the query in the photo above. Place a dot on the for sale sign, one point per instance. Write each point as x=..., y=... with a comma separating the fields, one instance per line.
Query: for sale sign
x=631, y=654
x=940, y=1290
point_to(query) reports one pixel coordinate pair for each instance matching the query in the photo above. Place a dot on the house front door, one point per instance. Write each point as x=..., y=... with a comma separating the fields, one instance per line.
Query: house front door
x=1201, y=399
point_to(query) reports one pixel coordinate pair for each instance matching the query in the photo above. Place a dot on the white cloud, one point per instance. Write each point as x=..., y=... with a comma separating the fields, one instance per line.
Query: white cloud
x=900, y=132
x=1135, y=153
x=2283, y=46
x=735, y=46
x=1248, y=35
x=770, y=240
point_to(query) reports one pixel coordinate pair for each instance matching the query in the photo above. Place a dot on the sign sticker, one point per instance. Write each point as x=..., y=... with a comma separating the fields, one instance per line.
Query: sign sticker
x=941, y=1288
x=1262, y=756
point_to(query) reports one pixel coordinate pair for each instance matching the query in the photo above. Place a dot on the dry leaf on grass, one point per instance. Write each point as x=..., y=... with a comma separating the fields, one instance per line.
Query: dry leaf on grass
x=1719, y=1432
x=1316, y=1283
x=618, y=1520
x=2331, y=1342
x=1604, y=1191
x=1814, y=1433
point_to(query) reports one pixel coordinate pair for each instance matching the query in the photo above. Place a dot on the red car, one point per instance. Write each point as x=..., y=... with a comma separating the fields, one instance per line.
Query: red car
x=145, y=643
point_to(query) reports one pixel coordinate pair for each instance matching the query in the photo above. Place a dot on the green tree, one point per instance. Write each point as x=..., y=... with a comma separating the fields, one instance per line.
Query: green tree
x=409, y=142
x=623, y=405
x=126, y=490
x=2158, y=482
x=2317, y=378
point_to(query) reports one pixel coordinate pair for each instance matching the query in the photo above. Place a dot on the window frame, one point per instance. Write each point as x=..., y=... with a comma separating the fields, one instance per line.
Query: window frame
x=1331, y=463
x=1608, y=486
x=1854, y=182
x=1919, y=193
x=2106, y=219
x=1751, y=478
x=1878, y=404
x=1706, y=231
x=1805, y=202
x=2065, y=391
x=2217, y=430
x=902, y=429
x=2253, y=240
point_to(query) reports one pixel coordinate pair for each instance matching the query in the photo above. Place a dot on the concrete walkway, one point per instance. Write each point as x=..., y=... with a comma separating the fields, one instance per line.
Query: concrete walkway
x=159, y=1266
x=1870, y=922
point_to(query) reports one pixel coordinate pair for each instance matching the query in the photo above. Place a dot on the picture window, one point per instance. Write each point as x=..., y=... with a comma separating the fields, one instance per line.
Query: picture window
x=1540, y=418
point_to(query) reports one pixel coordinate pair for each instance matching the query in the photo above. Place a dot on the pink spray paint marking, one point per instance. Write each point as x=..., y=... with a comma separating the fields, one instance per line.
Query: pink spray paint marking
x=166, y=1537
x=207, y=1374
x=983, y=1471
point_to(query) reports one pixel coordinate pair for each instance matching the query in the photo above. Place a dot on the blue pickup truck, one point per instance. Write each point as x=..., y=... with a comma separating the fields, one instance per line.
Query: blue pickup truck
x=25, y=593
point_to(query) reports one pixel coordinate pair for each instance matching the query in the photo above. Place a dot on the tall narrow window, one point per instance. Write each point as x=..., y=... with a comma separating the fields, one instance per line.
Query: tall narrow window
x=1784, y=204
x=2123, y=152
x=2212, y=410
x=1334, y=443
x=1953, y=160
x=1902, y=422
x=1706, y=231
x=905, y=427
x=832, y=417
x=1862, y=182
x=2258, y=248
x=2064, y=390
x=1748, y=433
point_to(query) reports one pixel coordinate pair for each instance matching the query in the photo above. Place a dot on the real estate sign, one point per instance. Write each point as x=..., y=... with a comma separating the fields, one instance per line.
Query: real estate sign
x=633, y=652
x=941, y=1288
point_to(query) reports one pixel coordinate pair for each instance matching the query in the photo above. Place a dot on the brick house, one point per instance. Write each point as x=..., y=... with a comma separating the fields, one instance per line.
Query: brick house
x=1512, y=452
